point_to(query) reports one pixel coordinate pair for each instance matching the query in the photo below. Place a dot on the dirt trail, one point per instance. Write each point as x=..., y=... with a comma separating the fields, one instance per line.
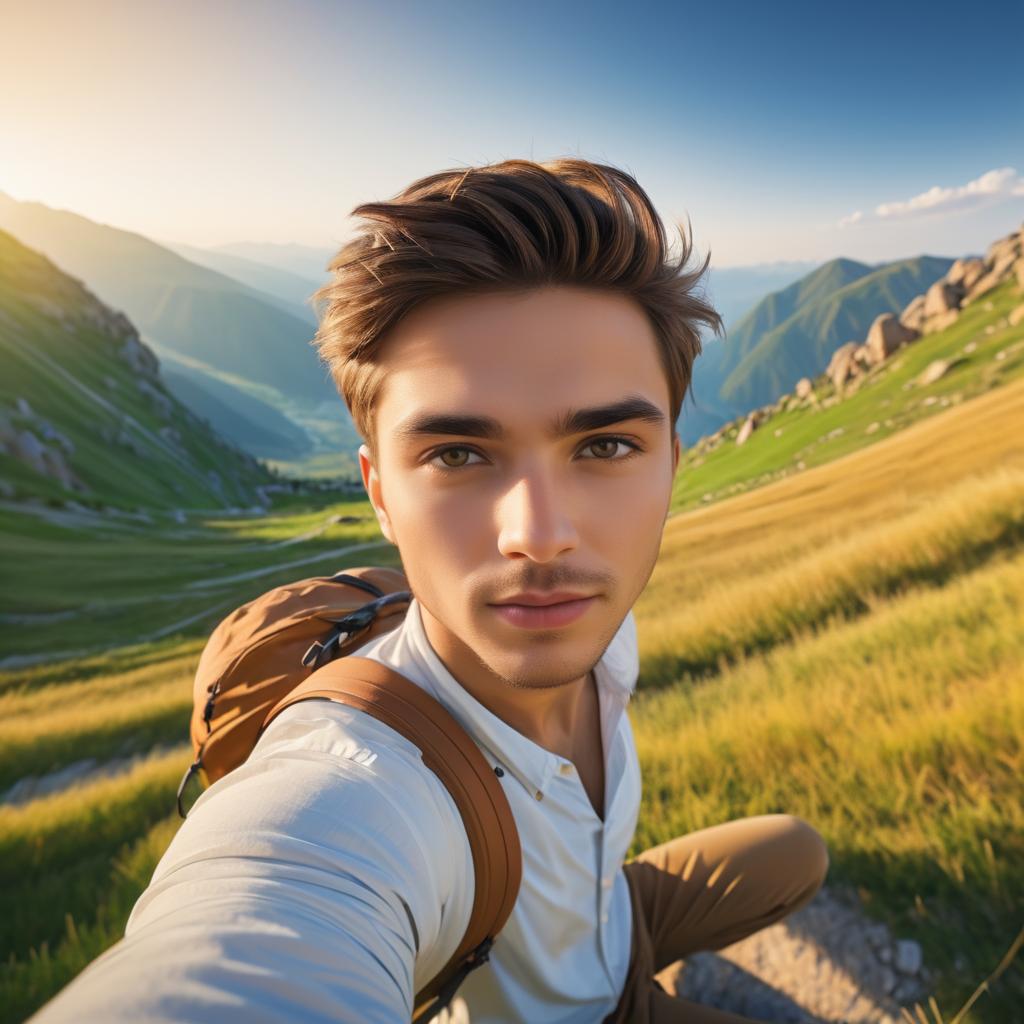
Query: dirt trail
x=828, y=963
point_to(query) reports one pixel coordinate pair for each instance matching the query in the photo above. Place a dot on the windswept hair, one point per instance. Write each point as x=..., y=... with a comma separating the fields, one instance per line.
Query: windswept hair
x=506, y=226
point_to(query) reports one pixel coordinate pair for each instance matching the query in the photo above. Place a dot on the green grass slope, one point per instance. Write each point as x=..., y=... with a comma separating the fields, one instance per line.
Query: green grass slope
x=843, y=645
x=125, y=440
x=192, y=311
x=889, y=400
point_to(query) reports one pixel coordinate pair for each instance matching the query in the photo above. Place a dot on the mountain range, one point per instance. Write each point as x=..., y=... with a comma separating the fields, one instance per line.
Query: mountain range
x=233, y=326
x=792, y=332
x=237, y=355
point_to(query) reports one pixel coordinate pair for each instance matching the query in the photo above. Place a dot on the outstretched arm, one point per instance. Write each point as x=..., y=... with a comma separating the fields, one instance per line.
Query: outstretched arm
x=306, y=886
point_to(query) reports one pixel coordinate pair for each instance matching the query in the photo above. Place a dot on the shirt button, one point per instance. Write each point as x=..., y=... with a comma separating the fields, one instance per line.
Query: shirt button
x=606, y=883
x=565, y=768
x=604, y=918
x=539, y=795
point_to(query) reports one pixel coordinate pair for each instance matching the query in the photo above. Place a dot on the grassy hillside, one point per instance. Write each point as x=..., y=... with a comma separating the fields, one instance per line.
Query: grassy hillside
x=105, y=418
x=840, y=641
x=890, y=399
x=792, y=334
x=848, y=653
x=192, y=311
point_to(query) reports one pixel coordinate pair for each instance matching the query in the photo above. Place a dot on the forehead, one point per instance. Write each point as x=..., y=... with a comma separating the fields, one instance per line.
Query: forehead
x=519, y=357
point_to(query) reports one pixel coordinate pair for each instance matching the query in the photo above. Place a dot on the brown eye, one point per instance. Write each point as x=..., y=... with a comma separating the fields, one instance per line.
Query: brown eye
x=609, y=445
x=456, y=455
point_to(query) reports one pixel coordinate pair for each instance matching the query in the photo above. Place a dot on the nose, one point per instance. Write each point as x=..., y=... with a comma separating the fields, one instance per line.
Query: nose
x=534, y=519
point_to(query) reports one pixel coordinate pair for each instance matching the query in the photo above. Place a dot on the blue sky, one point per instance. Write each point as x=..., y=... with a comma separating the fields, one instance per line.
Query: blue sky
x=770, y=125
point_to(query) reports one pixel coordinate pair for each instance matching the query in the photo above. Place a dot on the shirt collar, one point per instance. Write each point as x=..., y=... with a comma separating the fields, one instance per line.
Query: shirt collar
x=534, y=766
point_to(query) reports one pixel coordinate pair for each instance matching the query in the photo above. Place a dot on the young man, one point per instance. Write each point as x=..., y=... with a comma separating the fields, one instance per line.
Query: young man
x=514, y=345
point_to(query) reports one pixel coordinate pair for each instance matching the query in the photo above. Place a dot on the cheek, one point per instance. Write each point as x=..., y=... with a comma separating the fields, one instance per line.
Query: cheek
x=440, y=525
x=630, y=515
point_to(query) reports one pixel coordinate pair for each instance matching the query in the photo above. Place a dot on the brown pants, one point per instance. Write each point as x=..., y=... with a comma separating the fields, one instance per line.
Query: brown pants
x=704, y=891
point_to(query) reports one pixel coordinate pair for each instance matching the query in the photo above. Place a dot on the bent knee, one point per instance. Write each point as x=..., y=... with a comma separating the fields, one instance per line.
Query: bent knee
x=805, y=847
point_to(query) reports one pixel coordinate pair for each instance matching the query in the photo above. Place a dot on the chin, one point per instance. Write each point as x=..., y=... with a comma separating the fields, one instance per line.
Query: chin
x=538, y=667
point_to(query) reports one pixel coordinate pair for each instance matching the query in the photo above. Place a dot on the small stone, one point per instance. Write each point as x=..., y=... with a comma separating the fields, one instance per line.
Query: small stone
x=906, y=990
x=936, y=370
x=747, y=429
x=909, y=957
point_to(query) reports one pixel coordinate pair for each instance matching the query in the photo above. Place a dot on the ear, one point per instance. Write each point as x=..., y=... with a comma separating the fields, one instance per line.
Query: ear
x=676, y=452
x=371, y=482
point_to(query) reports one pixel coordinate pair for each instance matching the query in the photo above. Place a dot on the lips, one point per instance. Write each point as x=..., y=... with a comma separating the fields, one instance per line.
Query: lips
x=537, y=599
x=543, y=611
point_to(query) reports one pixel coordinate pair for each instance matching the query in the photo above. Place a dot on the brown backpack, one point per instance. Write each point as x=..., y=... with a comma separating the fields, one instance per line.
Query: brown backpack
x=291, y=644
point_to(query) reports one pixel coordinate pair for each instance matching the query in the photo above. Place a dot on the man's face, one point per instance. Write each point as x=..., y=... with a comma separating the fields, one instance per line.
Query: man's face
x=481, y=519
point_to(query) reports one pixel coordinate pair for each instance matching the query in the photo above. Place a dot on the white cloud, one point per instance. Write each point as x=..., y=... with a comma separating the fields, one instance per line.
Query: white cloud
x=993, y=186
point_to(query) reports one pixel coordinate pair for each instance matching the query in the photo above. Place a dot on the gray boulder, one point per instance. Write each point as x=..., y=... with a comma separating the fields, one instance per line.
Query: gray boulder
x=965, y=272
x=886, y=335
x=842, y=365
x=941, y=297
x=913, y=315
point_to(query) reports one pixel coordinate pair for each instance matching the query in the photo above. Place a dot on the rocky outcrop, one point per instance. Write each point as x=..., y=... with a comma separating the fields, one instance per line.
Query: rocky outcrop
x=941, y=306
x=913, y=316
x=966, y=273
x=965, y=282
x=152, y=391
x=139, y=357
x=853, y=362
x=936, y=370
x=747, y=429
x=840, y=367
x=1002, y=260
x=885, y=336
x=37, y=444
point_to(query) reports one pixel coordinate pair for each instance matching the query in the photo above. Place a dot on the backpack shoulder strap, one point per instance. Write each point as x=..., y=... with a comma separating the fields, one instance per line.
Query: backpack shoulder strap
x=450, y=752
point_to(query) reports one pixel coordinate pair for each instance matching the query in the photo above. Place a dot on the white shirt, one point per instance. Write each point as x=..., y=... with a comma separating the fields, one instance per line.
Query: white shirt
x=329, y=877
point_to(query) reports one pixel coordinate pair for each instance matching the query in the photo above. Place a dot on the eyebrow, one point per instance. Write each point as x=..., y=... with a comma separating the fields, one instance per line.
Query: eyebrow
x=574, y=421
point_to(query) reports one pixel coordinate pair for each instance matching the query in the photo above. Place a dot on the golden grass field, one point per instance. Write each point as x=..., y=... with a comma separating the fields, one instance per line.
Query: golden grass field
x=846, y=644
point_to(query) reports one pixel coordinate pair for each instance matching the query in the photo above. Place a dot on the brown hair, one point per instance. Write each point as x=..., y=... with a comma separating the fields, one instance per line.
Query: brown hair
x=506, y=226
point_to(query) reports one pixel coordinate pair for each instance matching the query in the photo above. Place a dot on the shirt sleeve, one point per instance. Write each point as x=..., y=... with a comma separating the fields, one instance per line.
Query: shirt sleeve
x=324, y=880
